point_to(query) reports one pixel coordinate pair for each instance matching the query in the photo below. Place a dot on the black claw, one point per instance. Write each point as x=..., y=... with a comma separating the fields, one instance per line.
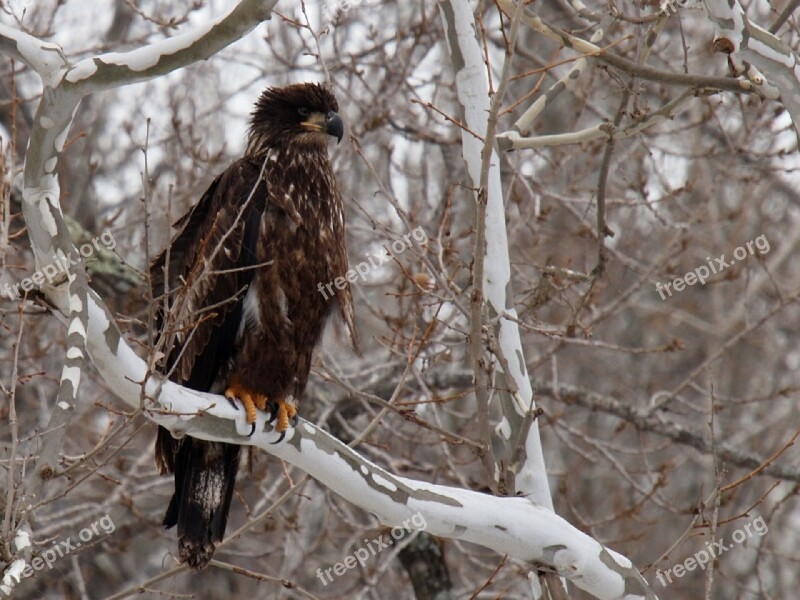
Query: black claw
x=233, y=404
x=280, y=439
x=295, y=420
x=252, y=430
x=273, y=411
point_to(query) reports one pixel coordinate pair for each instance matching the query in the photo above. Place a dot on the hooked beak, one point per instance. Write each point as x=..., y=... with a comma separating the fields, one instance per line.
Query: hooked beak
x=334, y=126
x=330, y=123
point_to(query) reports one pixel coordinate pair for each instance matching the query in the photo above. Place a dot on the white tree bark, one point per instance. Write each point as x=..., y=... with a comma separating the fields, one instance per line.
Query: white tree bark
x=753, y=48
x=514, y=526
x=491, y=256
x=760, y=55
x=479, y=111
x=64, y=84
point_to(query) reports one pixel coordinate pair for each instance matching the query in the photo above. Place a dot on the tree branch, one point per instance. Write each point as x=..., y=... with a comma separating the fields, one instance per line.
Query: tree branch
x=754, y=51
x=739, y=84
x=123, y=68
x=493, y=281
x=43, y=57
x=47, y=230
x=514, y=526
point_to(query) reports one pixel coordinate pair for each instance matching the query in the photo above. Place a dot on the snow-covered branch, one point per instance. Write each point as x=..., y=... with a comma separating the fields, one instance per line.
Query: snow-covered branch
x=43, y=57
x=586, y=48
x=513, y=526
x=523, y=527
x=512, y=140
x=760, y=55
x=123, y=68
x=767, y=50
x=566, y=82
x=518, y=430
x=63, y=87
x=519, y=433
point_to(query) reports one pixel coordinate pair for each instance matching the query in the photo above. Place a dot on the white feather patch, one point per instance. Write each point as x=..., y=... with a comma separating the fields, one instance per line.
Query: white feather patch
x=284, y=305
x=251, y=313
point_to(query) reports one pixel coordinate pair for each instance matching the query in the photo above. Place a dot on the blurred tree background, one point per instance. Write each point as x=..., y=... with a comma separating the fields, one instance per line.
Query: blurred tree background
x=651, y=402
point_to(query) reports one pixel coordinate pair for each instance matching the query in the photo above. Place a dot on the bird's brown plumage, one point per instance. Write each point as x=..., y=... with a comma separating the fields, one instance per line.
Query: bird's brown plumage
x=238, y=287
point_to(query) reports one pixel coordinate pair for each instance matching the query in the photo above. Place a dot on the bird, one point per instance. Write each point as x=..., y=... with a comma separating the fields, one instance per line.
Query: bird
x=238, y=311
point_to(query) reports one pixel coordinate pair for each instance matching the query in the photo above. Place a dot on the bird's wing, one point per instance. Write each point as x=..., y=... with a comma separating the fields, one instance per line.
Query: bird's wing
x=202, y=277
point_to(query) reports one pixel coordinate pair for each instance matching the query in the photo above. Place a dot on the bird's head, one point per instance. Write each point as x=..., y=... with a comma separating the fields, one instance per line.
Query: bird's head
x=302, y=114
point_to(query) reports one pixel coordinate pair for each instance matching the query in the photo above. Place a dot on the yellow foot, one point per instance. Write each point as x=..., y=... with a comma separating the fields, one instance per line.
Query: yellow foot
x=250, y=399
x=283, y=412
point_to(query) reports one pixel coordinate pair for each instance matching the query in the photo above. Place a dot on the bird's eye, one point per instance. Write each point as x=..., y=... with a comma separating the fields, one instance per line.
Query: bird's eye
x=304, y=112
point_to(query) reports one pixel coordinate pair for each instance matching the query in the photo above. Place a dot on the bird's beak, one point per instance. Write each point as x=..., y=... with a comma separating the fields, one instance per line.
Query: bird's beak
x=334, y=125
x=330, y=123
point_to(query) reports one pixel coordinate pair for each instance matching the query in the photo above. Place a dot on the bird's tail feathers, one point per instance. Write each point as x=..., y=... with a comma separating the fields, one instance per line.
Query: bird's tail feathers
x=205, y=473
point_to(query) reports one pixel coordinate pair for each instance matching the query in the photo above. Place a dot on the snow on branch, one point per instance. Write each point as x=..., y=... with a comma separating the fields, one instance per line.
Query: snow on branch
x=512, y=140
x=564, y=83
x=518, y=430
x=515, y=526
x=43, y=57
x=738, y=84
x=63, y=87
x=479, y=106
x=749, y=81
x=122, y=68
x=760, y=55
x=512, y=526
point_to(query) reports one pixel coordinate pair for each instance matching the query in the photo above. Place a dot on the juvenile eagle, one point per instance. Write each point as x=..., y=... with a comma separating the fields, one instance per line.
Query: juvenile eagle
x=239, y=308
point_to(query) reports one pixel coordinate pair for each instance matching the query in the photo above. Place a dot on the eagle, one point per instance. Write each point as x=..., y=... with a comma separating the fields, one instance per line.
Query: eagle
x=238, y=308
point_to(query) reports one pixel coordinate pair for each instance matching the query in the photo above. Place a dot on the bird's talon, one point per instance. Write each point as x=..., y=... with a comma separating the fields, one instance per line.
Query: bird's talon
x=273, y=411
x=251, y=401
x=280, y=439
x=282, y=413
